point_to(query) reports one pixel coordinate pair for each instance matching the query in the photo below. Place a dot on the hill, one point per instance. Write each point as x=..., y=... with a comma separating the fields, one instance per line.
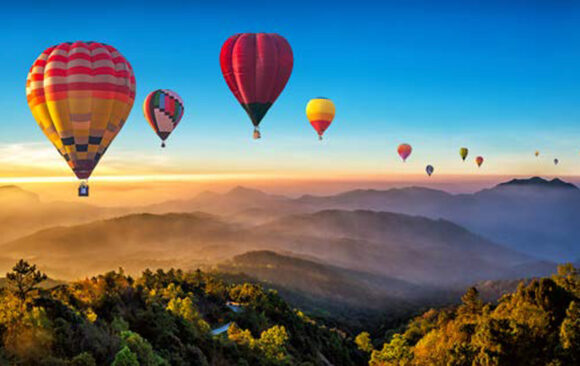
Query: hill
x=533, y=324
x=163, y=318
x=23, y=212
x=416, y=249
x=533, y=216
x=135, y=242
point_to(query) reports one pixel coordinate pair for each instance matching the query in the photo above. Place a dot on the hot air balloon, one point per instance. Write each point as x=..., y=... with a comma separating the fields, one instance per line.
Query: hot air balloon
x=81, y=94
x=556, y=161
x=256, y=67
x=404, y=151
x=163, y=110
x=463, y=153
x=320, y=113
x=429, y=169
x=537, y=153
x=479, y=161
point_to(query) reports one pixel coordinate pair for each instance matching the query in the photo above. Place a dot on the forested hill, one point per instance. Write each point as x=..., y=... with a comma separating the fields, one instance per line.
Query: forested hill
x=160, y=318
x=537, y=324
x=167, y=318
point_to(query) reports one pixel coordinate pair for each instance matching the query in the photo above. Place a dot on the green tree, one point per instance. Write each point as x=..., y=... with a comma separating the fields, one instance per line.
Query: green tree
x=125, y=357
x=142, y=348
x=396, y=352
x=83, y=359
x=24, y=278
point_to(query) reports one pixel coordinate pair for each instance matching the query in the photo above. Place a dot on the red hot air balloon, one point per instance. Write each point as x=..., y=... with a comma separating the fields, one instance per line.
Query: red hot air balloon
x=404, y=151
x=479, y=161
x=256, y=67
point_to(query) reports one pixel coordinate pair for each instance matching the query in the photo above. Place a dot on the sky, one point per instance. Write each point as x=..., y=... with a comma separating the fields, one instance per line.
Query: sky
x=500, y=77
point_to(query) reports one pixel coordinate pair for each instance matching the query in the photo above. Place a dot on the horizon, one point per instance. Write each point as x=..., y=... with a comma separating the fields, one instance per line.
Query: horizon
x=134, y=192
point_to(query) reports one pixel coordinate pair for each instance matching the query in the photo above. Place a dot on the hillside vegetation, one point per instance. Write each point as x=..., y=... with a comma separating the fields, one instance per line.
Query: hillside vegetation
x=538, y=324
x=166, y=318
x=161, y=318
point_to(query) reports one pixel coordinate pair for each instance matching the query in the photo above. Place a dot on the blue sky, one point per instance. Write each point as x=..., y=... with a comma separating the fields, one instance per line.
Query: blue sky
x=502, y=78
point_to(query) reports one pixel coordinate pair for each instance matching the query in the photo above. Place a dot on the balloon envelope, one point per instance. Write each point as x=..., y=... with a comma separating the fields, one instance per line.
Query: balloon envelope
x=256, y=67
x=320, y=112
x=463, y=153
x=81, y=94
x=556, y=161
x=429, y=169
x=537, y=153
x=163, y=110
x=404, y=151
x=479, y=161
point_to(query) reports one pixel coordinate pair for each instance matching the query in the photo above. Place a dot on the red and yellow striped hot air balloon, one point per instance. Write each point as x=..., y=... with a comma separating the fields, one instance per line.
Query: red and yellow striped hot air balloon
x=320, y=112
x=256, y=67
x=80, y=94
x=479, y=161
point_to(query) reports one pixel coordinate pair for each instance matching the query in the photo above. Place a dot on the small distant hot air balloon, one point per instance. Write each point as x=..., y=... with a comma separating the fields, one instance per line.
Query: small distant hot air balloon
x=404, y=151
x=463, y=153
x=81, y=94
x=479, y=161
x=163, y=110
x=556, y=161
x=429, y=169
x=320, y=113
x=537, y=153
x=256, y=67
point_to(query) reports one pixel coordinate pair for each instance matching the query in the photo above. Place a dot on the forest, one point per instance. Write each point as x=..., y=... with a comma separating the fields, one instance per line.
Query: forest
x=167, y=317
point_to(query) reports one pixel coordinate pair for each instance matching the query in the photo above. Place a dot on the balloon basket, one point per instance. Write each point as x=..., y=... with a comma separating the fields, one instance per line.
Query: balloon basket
x=83, y=190
x=163, y=145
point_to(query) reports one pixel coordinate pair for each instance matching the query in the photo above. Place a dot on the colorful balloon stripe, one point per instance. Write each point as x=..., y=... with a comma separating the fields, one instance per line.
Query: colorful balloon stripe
x=81, y=94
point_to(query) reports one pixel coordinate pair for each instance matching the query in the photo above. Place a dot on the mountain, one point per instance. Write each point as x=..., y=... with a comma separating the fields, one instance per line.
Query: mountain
x=23, y=213
x=134, y=242
x=238, y=200
x=417, y=249
x=534, y=216
x=351, y=298
x=537, y=182
x=320, y=281
x=12, y=196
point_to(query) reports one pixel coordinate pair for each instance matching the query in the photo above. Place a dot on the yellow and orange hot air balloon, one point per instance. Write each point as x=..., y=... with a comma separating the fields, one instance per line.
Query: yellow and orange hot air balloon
x=404, y=151
x=81, y=94
x=320, y=112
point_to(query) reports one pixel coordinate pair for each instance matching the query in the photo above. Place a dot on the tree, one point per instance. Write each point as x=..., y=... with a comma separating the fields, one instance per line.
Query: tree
x=125, y=357
x=570, y=331
x=24, y=278
x=396, y=352
x=272, y=342
x=83, y=359
x=363, y=342
x=471, y=303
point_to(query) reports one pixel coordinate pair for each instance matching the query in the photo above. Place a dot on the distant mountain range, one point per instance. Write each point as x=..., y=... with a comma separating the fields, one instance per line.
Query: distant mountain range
x=534, y=216
x=414, y=249
x=383, y=249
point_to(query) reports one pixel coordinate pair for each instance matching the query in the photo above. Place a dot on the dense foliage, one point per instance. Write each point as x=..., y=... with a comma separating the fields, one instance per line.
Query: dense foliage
x=166, y=318
x=538, y=324
x=161, y=318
